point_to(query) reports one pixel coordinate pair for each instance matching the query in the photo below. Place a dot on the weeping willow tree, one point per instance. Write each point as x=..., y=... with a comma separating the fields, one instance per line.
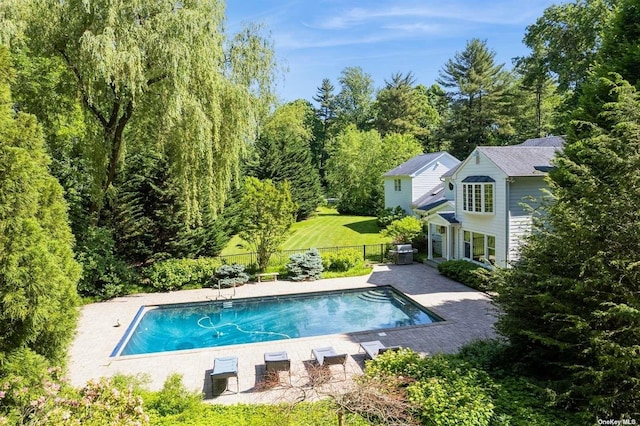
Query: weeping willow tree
x=160, y=72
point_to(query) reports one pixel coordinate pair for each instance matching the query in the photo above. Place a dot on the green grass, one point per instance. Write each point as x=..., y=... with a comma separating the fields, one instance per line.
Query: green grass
x=327, y=228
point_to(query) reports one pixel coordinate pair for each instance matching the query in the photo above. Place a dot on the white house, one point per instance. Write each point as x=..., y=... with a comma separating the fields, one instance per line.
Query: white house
x=408, y=184
x=486, y=202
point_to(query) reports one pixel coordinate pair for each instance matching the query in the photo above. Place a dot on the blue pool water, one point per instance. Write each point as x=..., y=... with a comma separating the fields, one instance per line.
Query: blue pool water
x=222, y=323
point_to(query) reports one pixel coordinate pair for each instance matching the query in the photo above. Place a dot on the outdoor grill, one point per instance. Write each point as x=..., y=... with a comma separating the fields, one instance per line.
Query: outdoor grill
x=403, y=254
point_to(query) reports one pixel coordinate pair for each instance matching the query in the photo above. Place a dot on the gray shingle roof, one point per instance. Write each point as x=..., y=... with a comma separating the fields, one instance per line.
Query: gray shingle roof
x=451, y=171
x=555, y=141
x=518, y=160
x=411, y=166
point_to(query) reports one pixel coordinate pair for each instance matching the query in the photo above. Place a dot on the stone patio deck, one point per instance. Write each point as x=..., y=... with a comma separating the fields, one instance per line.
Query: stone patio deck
x=468, y=315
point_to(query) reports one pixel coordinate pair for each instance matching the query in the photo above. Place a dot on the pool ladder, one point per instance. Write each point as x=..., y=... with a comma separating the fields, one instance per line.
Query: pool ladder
x=222, y=296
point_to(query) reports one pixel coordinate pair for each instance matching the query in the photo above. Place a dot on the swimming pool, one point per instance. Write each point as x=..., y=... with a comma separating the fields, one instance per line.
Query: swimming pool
x=230, y=322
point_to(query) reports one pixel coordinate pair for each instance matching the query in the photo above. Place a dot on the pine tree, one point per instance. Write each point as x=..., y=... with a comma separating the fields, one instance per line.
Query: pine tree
x=572, y=304
x=476, y=86
x=38, y=273
x=326, y=113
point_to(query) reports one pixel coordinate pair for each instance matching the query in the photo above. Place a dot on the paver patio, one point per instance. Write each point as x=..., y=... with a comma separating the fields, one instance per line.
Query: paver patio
x=468, y=315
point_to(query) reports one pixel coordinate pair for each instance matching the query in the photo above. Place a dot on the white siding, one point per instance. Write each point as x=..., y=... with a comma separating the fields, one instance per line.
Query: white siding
x=521, y=190
x=489, y=224
x=393, y=198
x=426, y=180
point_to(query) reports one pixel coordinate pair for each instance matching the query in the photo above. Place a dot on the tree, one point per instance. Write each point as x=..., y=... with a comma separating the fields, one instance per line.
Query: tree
x=197, y=91
x=326, y=113
x=283, y=153
x=566, y=38
x=357, y=163
x=572, y=304
x=403, y=108
x=354, y=102
x=477, y=85
x=267, y=213
x=38, y=274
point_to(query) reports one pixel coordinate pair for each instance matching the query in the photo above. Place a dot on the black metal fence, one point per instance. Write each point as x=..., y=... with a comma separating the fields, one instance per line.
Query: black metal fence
x=371, y=252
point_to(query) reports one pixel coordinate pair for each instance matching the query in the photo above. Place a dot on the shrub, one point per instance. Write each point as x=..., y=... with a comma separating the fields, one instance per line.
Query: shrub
x=342, y=260
x=104, y=275
x=404, y=230
x=446, y=390
x=231, y=275
x=468, y=273
x=174, y=274
x=304, y=266
x=388, y=215
x=174, y=398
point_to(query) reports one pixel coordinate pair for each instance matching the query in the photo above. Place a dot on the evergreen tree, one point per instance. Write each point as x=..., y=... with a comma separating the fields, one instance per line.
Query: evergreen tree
x=326, y=113
x=402, y=108
x=572, y=304
x=477, y=87
x=38, y=274
x=283, y=153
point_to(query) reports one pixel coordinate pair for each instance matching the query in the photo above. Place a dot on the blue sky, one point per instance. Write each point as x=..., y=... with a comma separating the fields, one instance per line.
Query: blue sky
x=316, y=39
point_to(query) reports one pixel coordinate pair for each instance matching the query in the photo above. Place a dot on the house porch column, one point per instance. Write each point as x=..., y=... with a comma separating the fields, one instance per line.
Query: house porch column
x=429, y=242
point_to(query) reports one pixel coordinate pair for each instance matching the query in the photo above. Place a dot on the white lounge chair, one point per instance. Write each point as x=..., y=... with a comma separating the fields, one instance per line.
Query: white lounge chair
x=375, y=347
x=326, y=357
x=223, y=369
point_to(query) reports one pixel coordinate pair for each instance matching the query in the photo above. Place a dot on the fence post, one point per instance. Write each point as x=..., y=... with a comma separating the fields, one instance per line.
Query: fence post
x=381, y=253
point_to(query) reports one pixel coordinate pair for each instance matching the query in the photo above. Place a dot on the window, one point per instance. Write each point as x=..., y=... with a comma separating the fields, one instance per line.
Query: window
x=397, y=184
x=477, y=197
x=467, y=244
x=479, y=247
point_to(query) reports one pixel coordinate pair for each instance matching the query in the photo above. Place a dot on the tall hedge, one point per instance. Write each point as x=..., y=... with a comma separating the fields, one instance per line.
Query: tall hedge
x=38, y=273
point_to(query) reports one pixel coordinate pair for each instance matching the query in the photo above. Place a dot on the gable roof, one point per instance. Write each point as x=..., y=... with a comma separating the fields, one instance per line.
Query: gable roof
x=415, y=164
x=518, y=160
x=555, y=141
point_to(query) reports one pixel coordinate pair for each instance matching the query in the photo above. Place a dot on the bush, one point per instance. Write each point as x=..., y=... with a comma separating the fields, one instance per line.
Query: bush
x=388, y=215
x=104, y=275
x=175, y=274
x=174, y=398
x=404, y=230
x=304, y=266
x=446, y=390
x=342, y=260
x=231, y=275
x=468, y=273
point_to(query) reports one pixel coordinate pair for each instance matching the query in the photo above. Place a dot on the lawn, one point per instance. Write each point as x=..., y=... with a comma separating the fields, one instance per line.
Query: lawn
x=327, y=228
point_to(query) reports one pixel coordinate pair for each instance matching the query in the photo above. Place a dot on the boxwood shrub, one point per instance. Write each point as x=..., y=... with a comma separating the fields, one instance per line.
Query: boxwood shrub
x=468, y=273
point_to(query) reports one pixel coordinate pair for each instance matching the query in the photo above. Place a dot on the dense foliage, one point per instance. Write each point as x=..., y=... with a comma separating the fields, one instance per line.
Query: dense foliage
x=468, y=273
x=572, y=305
x=388, y=215
x=38, y=272
x=342, y=260
x=231, y=275
x=176, y=274
x=358, y=161
x=283, y=152
x=268, y=212
x=405, y=230
x=160, y=92
x=305, y=266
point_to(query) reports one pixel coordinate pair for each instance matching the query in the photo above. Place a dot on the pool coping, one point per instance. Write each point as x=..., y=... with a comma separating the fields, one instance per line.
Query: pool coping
x=468, y=315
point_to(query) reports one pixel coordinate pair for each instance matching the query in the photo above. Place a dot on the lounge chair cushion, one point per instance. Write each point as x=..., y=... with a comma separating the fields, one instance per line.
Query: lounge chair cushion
x=225, y=367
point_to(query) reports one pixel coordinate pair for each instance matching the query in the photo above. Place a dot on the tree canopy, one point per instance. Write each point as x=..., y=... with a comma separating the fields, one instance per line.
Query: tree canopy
x=164, y=66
